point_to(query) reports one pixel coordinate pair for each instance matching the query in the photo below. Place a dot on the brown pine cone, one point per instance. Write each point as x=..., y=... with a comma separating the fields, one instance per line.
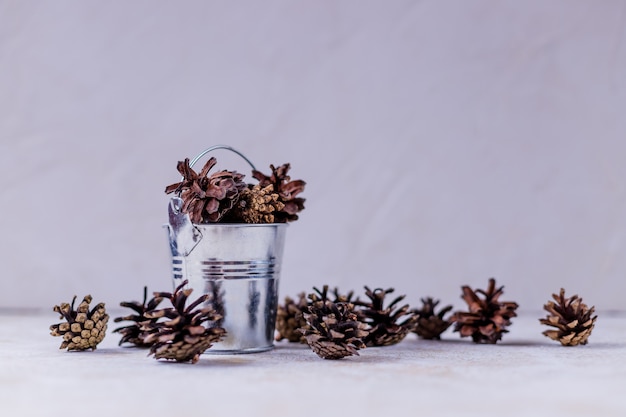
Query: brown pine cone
x=207, y=198
x=132, y=333
x=487, y=317
x=187, y=332
x=388, y=325
x=333, y=330
x=571, y=317
x=257, y=205
x=431, y=324
x=289, y=319
x=83, y=328
x=286, y=189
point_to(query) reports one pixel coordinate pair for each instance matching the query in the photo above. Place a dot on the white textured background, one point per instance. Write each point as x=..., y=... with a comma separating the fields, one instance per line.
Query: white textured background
x=442, y=142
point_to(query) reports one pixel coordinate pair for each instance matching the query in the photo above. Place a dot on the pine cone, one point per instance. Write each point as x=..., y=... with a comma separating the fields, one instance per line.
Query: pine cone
x=286, y=189
x=258, y=205
x=133, y=334
x=84, y=329
x=430, y=325
x=333, y=330
x=385, y=322
x=207, y=198
x=289, y=319
x=184, y=336
x=571, y=317
x=487, y=318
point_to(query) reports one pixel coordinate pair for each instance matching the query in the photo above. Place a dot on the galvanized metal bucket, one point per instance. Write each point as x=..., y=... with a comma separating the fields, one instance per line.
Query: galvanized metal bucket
x=238, y=265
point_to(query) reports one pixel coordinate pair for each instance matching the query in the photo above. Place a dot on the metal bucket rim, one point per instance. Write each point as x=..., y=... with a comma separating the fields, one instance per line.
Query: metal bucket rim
x=235, y=225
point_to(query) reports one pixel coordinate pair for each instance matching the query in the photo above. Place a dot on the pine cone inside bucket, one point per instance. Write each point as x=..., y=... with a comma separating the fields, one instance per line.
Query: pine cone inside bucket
x=83, y=328
x=431, y=324
x=257, y=205
x=188, y=330
x=487, y=317
x=333, y=330
x=289, y=319
x=388, y=325
x=571, y=317
x=286, y=189
x=133, y=333
x=207, y=198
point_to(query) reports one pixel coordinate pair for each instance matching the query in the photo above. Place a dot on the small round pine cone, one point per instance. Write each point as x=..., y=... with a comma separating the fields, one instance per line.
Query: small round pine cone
x=333, y=330
x=571, y=317
x=84, y=329
x=287, y=190
x=258, y=205
x=431, y=324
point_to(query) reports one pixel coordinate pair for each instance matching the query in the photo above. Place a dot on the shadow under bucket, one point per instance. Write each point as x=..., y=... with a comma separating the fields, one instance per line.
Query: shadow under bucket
x=239, y=266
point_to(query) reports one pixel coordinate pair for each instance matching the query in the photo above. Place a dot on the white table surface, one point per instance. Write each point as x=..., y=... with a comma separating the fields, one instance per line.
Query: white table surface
x=526, y=374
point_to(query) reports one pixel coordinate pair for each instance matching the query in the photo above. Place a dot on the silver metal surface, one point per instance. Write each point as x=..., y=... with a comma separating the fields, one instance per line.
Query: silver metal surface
x=239, y=265
x=184, y=236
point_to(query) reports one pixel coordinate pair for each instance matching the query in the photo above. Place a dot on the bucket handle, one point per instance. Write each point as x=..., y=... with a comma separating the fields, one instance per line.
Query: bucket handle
x=213, y=148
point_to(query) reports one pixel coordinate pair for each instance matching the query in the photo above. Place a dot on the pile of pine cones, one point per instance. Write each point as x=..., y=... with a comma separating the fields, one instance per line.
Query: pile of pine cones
x=224, y=197
x=338, y=326
x=181, y=332
x=334, y=325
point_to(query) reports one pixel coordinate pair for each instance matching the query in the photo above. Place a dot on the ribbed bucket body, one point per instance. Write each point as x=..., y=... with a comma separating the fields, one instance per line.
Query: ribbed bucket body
x=239, y=266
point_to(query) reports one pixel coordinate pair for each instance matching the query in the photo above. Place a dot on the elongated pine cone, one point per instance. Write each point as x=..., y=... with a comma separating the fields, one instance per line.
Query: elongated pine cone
x=133, y=333
x=571, y=317
x=388, y=325
x=487, y=317
x=289, y=319
x=333, y=330
x=187, y=332
x=258, y=205
x=83, y=328
x=286, y=189
x=431, y=324
x=207, y=198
